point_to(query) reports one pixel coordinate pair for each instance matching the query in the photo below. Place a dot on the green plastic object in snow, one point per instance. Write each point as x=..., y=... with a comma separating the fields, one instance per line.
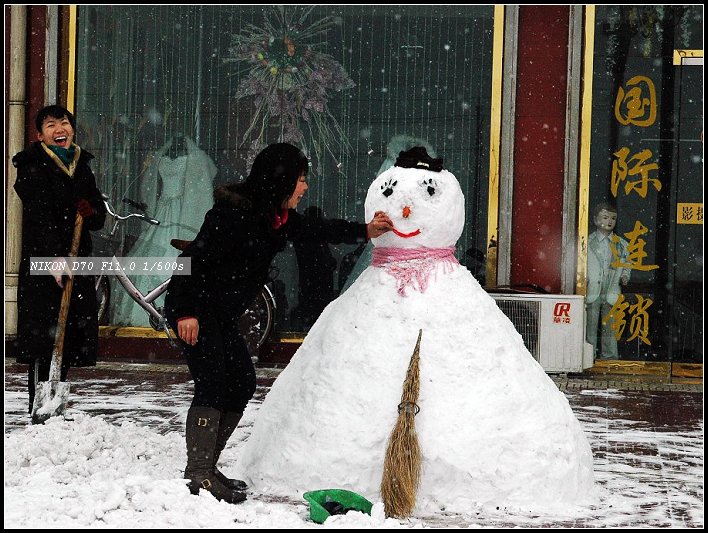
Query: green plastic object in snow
x=326, y=502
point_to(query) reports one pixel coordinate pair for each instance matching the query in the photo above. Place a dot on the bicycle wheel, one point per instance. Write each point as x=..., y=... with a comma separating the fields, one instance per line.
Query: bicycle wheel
x=103, y=300
x=256, y=323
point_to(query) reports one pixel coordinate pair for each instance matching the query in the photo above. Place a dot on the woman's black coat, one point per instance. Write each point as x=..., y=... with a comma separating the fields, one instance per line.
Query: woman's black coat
x=232, y=253
x=49, y=198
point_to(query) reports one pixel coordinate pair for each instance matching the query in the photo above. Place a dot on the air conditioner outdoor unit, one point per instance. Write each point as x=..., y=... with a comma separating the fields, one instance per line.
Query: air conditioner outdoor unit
x=552, y=326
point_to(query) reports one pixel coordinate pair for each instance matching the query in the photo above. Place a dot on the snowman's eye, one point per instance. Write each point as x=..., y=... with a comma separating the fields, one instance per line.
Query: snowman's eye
x=430, y=186
x=387, y=187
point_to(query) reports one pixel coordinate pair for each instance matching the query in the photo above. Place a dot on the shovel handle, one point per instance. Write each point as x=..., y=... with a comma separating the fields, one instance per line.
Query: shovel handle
x=58, y=353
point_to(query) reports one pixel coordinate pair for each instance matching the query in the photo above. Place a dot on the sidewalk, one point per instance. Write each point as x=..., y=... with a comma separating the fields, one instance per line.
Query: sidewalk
x=647, y=438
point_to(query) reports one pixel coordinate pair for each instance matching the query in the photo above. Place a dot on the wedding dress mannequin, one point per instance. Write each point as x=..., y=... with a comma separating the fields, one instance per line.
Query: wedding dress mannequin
x=177, y=190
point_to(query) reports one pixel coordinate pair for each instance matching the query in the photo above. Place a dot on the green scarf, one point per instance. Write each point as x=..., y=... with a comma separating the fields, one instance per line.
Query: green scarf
x=65, y=154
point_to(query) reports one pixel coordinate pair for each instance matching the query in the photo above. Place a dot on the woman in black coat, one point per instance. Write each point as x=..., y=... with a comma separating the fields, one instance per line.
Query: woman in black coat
x=230, y=258
x=54, y=180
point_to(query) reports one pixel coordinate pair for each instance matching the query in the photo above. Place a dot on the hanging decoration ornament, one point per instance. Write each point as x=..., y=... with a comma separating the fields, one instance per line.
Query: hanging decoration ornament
x=290, y=81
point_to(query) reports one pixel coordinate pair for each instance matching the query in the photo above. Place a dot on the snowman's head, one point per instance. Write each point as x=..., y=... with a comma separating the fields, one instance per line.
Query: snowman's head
x=424, y=202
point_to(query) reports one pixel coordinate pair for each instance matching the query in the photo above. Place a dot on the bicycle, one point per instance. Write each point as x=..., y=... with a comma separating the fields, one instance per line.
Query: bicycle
x=255, y=324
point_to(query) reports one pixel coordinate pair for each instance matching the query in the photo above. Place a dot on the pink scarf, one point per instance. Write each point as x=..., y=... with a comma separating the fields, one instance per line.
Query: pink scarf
x=412, y=266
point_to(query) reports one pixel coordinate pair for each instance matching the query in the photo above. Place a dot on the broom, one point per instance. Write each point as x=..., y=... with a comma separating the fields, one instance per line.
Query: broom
x=401, y=472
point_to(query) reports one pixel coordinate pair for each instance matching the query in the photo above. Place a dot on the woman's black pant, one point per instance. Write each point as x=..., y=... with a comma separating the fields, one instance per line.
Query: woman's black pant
x=221, y=366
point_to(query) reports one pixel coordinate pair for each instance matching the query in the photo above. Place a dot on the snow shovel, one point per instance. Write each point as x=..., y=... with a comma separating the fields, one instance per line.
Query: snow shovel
x=51, y=396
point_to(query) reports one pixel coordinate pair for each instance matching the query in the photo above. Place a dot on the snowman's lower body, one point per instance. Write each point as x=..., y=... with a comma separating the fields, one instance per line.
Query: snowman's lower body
x=493, y=428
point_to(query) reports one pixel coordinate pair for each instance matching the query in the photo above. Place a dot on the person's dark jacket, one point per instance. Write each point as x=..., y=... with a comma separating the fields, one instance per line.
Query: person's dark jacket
x=49, y=197
x=232, y=253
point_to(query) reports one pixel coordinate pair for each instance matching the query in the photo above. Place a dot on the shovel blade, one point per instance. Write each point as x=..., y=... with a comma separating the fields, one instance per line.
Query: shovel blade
x=50, y=399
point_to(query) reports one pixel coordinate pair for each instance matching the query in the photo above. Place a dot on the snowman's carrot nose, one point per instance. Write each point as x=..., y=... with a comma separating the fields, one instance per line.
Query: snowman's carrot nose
x=406, y=212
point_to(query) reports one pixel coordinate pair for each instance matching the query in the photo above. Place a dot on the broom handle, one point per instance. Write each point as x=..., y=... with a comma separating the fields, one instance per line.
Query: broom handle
x=58, y=354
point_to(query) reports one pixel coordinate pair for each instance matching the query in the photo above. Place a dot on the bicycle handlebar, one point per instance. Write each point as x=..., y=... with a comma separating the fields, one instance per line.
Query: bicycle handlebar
x=139, y=216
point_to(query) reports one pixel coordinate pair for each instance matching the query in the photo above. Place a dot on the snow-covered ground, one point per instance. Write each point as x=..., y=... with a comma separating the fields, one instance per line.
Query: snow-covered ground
x=118, y=462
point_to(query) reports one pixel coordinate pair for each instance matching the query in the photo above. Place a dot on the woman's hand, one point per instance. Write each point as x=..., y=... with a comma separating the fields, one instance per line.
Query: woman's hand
x=188, y=330
x=60, y=270
x=379, y=225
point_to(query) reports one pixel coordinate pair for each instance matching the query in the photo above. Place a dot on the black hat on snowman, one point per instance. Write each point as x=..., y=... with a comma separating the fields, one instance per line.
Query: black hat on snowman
x=418, y=157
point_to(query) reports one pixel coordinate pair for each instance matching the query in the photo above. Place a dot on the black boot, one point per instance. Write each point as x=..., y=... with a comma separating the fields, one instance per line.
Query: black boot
x=201, y=433
x=227, y=425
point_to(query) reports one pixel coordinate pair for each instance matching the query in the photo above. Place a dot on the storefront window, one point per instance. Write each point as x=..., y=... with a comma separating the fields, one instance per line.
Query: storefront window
x=174, y=100
x=645, y=275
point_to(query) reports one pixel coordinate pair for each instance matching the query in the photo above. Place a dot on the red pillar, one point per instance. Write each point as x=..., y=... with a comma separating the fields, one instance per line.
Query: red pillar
x=36, y=44
x=539, y=146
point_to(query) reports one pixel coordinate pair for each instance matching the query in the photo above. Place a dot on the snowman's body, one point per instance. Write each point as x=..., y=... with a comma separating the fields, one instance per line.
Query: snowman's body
x=493, y=428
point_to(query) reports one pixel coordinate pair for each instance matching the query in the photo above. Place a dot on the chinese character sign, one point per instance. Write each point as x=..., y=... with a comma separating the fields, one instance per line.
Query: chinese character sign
x=639, y=170
x=689, y=213
x=634, y=171
x=636, y=105
x=639, y=318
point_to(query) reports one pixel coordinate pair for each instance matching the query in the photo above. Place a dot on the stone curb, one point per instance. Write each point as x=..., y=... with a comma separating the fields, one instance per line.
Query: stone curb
x=563, y=382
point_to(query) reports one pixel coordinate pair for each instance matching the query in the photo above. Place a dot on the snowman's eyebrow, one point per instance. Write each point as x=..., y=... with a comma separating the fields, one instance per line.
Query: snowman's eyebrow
x=387, y=187
x=430, y=186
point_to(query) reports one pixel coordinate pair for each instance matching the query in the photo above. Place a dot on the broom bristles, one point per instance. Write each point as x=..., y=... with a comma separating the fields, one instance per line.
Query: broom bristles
x=402, y=462
x=401, y=475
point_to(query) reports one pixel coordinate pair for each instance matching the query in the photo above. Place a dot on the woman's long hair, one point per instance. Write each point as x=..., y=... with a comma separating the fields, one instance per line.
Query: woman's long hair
x=274, y=175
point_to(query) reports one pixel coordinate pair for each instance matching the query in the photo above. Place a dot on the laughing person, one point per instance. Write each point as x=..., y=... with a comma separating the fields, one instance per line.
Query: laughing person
x=54, y=181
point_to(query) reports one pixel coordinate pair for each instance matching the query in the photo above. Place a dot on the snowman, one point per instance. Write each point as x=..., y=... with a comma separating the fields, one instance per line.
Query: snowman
x=493, y=429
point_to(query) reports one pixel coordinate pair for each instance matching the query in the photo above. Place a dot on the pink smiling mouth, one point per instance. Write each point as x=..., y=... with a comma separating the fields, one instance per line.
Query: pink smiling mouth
x=406, y=235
